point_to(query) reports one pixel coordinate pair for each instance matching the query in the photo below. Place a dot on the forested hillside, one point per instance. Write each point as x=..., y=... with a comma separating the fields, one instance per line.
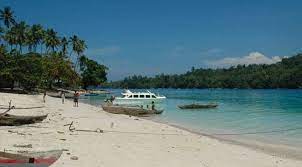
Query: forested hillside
x=285, y=74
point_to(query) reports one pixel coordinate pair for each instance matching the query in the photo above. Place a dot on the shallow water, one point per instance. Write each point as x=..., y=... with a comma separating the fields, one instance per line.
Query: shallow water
x=269, y=116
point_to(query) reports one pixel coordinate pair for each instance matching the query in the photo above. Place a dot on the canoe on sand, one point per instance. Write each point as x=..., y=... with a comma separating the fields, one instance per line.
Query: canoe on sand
x=29, y=159
x=14, y=120
x=198, y=106
x=135, y=111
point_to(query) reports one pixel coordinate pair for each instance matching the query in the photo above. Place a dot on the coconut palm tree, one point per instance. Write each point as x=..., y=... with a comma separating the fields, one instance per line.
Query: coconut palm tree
x=38, y=33
x=51, y=40
x=21, y=30
x=64, y=44
x=7, y=16
x=1, y=34
x=78, y=46
x=10, y=37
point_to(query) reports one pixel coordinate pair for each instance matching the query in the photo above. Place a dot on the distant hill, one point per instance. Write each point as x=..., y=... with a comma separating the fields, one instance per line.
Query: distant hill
x=284, y=74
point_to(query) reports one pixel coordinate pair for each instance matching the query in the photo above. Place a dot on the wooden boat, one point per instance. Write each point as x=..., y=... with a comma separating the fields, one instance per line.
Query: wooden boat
x=198, y=106
x=14, y=120
x=34, y=159
x=129, y=110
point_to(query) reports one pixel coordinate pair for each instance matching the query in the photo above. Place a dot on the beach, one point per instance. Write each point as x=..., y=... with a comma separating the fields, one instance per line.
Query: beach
x=112, y=140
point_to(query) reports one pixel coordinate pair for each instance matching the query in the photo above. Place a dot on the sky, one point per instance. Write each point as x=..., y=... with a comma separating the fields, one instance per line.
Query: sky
x=170, y=36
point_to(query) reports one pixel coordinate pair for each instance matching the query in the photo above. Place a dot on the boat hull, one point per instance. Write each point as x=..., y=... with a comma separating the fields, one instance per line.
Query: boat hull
x=37, y=159
x=198, y=106
x=134, y=111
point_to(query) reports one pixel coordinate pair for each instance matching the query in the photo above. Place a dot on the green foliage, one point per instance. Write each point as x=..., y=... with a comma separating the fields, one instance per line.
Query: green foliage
x=285, y=74
x=20, y=64
x=93, y=73
x=58, y=71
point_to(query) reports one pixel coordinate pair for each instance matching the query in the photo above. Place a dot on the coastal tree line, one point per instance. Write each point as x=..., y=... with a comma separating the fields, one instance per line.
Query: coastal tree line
x=284, y=74
x=33, y=56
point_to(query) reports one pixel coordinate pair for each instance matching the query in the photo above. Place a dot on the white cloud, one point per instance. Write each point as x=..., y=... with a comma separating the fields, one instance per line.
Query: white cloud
x=252, y=58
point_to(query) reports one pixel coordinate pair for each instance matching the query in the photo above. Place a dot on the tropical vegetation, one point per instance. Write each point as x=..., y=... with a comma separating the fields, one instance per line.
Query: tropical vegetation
x=32, y=56
x=284, y=74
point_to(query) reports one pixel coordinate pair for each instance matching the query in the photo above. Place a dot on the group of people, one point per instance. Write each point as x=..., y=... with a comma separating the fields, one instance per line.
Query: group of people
x=76, y=96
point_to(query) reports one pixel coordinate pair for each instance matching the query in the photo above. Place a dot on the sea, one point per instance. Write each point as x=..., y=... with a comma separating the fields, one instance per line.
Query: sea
x=269, y=120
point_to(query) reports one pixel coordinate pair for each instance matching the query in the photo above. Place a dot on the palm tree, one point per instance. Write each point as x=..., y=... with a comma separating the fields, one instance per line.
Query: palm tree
x=78, y=46
x=10, y=37
x=1, y=34
x=21, y=30
x=64, y=44
x=38, y=33
x=51, y=40
x=29, y=40
x=7, y=16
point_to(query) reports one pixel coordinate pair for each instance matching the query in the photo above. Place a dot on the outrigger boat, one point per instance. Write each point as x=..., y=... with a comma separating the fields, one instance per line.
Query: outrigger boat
x=29, y=159
x=14, y=120
x=138, y=97
x=129, y=110
x=198, y=106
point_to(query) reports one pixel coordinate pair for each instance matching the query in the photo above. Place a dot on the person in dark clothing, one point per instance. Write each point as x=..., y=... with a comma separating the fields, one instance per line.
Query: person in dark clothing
x=76, y=99
x=153, y=106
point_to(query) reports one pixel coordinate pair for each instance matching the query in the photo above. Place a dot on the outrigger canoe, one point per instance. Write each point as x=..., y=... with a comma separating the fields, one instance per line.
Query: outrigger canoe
x=198, y=106
x=33, y=159
x=128, y=110
x=14, y=120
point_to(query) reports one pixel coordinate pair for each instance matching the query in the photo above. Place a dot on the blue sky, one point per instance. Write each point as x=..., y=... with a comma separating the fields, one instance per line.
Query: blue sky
x=171, y=36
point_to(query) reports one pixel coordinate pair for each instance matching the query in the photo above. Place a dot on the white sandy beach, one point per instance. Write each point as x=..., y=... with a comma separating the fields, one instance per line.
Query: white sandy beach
x=126, y=141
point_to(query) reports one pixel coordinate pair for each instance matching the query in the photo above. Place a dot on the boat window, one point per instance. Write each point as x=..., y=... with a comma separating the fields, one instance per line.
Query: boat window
x=153, y=96
x=130, y=96
x=147, y=96
x=124, y=96
x=135, y=96
x=141, y=96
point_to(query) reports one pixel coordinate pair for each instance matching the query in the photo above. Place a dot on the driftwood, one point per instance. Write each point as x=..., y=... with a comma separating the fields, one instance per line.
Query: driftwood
x=9, y=108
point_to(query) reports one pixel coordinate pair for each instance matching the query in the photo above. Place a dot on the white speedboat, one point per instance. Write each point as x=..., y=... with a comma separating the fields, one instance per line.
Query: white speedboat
x=138, y=97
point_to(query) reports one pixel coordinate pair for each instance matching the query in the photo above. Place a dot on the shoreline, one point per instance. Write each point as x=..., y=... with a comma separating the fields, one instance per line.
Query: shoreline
x=278, y=149
x=134, y=141
x=283, y=151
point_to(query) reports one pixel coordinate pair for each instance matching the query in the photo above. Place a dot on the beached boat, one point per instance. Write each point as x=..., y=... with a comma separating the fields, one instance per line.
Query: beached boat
x=29, y=159
x=129, y=110
x=129, y=97
x=198, y=106
x=14, y=120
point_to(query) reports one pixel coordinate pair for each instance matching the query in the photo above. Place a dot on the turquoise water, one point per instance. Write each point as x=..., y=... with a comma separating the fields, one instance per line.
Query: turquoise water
x=271, y=116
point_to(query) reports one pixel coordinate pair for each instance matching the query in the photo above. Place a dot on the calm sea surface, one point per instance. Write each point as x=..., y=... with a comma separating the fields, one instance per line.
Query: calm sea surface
x=268, y=116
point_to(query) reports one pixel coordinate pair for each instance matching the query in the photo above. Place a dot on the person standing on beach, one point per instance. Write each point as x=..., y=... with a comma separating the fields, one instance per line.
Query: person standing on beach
x=44, y=96
x=76, y=99
x=63, y=97
x=153, y=106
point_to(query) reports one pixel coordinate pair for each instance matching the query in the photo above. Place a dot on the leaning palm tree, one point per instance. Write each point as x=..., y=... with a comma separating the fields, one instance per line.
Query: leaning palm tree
x=7, y=16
